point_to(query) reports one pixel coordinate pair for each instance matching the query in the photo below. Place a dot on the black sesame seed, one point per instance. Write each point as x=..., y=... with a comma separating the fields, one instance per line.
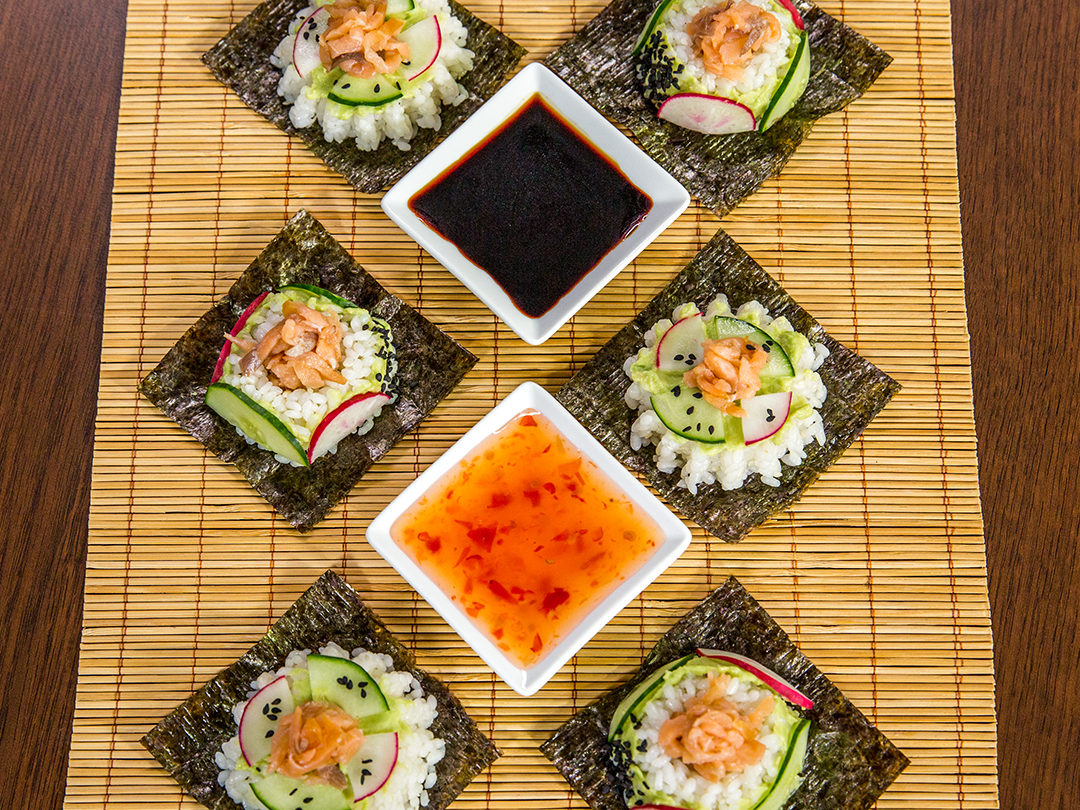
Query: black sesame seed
x=712, y=429
x=687, y=428
x=291, y=792
x=378, y=376
x=676, y=391
x=678, y=357
x=406, y=62
x=275, y=701
x=698, y=395
x=690, y=411
x=307, y=35
x=376, y=87
x=699, y=427
x=692, y=357
x=750, y=347
x=269, y=734
x=770, y=415
x=308, y=799
x=346, y=86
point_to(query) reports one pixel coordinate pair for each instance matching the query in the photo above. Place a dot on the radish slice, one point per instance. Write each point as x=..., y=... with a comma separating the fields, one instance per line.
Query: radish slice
x=679, y=349
x=226, y=350
x=372, y=765
x=711, y=115
x=425, y=42
x=343, y=420
x=782, y=687
x=765, y=415
x=305, y=52
x=260, y=719
x=795, y=15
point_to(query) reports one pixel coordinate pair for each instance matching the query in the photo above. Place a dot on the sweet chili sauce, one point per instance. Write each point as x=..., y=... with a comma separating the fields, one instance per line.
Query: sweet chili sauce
x=535, y=205
x=527, y=536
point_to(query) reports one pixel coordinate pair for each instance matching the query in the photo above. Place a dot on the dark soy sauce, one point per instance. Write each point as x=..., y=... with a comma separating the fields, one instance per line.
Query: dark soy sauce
x=535, y=205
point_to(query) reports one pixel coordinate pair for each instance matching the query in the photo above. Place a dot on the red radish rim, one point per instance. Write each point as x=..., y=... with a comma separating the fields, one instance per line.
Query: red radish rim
x=397, y=747
x=782, y=687
x=661, y=340
x=795, y=15
x=438, y=48
x=247, y=708
x=753, y=118
x=226, y=350
x=296, y=39
x=326, y=420
x=777, y=429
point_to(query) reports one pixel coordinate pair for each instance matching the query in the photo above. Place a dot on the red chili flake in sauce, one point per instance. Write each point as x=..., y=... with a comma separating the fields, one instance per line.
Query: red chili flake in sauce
x=537, y=536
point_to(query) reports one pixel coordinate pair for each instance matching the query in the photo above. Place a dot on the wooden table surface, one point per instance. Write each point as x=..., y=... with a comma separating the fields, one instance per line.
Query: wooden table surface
x=1017, y=80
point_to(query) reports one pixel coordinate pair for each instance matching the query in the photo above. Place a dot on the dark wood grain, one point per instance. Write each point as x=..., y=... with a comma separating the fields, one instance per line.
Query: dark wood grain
x=59, y=96
x=1019, y=151
x=1019, y=154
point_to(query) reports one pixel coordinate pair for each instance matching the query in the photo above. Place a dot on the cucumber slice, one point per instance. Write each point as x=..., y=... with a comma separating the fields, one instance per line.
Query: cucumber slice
x=377, y=91
x=650, y=26
x=686, y=413
x=641, y=694
x=789, y=776
x=279, y=792
x=310, y=289
x=255, y=422
x=399, y=8
x=779, y=366
x=345, y=684
x=791, y=88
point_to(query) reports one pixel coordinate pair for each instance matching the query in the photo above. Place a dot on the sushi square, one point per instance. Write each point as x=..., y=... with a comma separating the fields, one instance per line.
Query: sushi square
x=527, y=537
x=535, y=203
x=306, y=373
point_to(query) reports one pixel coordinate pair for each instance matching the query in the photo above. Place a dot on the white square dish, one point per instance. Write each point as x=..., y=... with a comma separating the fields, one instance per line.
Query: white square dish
x=668, y=197
x=672, y=539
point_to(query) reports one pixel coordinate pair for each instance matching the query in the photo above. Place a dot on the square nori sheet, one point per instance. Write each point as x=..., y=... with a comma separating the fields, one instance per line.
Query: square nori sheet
x=857, y=391
x=186, y=740
x=430, y=364
x=241, y=61
x=720, y=170
x=849, y=763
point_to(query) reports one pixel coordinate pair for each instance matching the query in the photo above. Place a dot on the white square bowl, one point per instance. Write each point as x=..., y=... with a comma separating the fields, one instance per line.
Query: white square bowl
x=530, y=396
x=669, y=198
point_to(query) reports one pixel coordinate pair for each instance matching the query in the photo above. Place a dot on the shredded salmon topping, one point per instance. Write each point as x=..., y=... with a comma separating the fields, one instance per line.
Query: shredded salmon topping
x=361, y=40
x=313, y=741
x=730, y=34
x=729, y=371
x=302, y=350
x=712, y=735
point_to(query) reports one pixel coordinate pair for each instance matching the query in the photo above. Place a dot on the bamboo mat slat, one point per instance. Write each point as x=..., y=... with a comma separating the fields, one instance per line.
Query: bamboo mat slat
x=878, y=573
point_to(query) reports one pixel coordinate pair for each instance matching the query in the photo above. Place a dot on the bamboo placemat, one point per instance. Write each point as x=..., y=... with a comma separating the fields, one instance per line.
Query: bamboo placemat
x=879, y=573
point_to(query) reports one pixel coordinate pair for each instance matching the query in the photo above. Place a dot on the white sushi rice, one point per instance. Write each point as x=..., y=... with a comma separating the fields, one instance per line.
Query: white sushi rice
x=761, y=70
x=400, y=120
x=419, y=751
x=303, y=409
x=700, y=464
x=673, y=777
